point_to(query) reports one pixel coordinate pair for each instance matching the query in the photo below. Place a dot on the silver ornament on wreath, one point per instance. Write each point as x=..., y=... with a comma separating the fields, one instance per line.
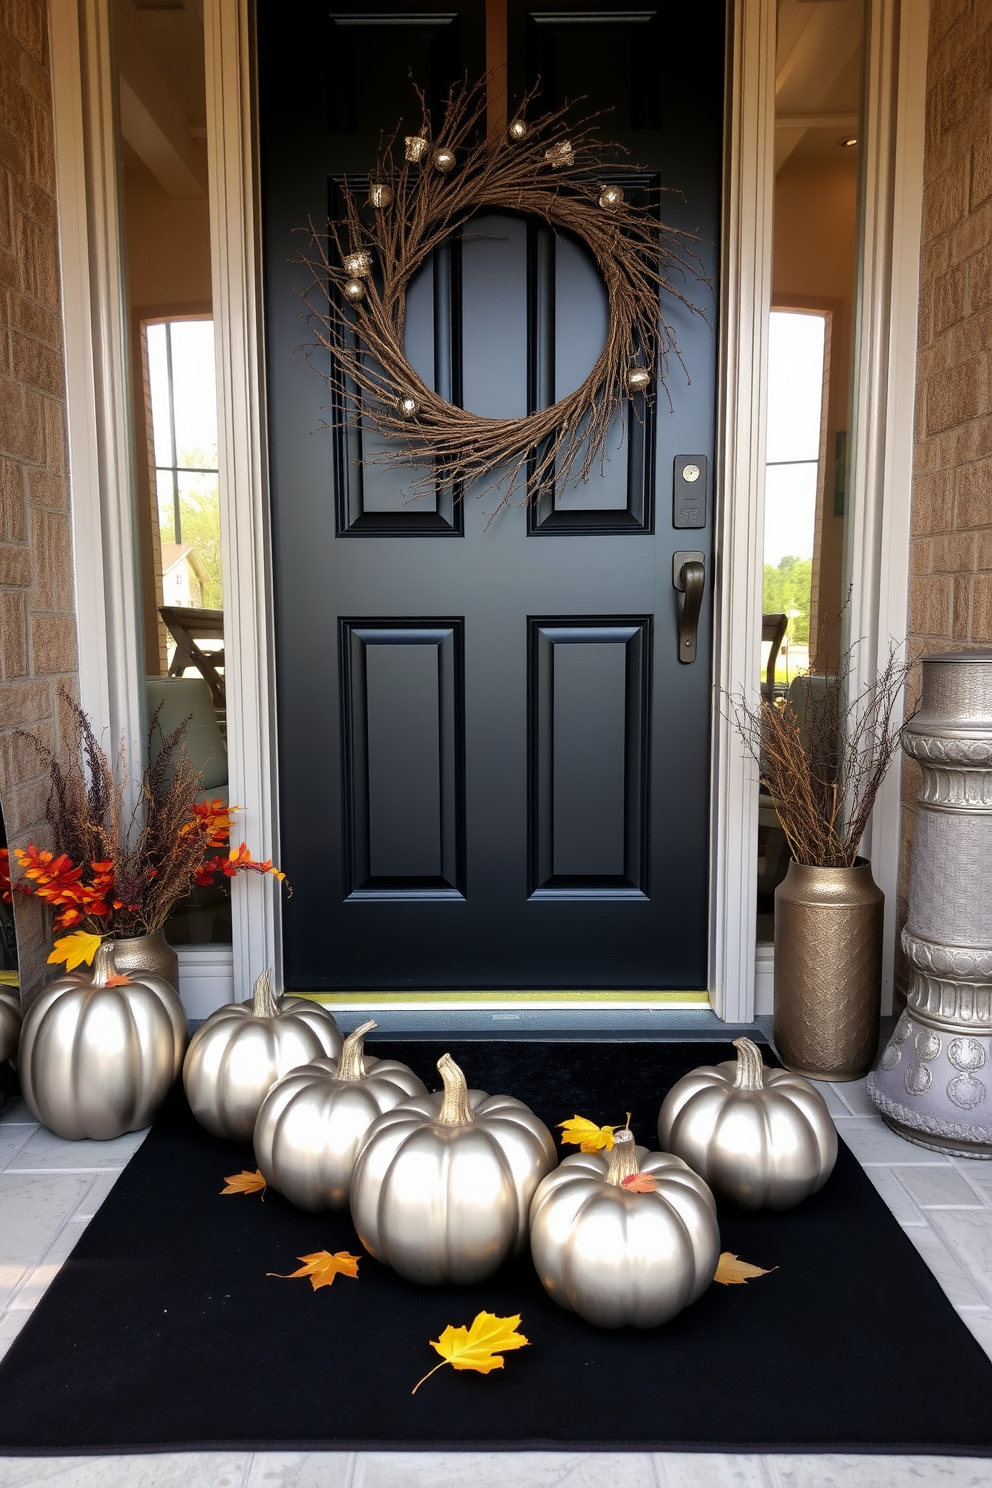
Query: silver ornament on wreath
x=358, y=265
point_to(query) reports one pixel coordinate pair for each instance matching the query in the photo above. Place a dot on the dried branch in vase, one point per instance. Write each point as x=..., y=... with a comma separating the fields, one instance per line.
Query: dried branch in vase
x=114, y=871
x=824, y=769
x=362, y=269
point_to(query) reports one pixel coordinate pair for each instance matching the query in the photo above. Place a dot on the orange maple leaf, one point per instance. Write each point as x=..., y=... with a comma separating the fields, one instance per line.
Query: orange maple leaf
x=640, y=1183
x=322, y=1267
x=245, y=1183
x=118, y=980
x=731, y=1271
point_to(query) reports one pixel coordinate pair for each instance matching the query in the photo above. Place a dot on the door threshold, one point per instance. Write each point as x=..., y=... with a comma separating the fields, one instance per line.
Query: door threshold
x=424, y=1001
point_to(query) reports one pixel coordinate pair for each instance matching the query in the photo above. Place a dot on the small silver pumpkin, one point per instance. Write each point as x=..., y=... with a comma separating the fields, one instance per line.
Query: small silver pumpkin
x=619, y=1257
x=242, y=1049
x=314, y=1119
x=10, y=1022
x=442, y=1187
x=762, y=1138
x=97, y=1060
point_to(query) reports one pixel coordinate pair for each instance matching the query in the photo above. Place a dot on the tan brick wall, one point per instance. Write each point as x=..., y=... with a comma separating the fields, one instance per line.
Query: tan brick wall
x=37, y=623
x=950, y=588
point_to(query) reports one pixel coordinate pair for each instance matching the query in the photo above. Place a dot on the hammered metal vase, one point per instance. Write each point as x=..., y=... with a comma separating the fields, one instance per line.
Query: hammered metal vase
x=828, y=970
x=148, y=953
x=933, y=1081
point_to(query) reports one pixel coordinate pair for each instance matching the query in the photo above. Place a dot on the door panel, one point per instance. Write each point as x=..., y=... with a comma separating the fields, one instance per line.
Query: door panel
x=494, y=771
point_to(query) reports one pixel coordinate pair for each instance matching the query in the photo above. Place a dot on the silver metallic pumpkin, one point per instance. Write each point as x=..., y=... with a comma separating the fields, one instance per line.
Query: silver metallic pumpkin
x=97, y=1060
x=442, y=1187
x=762, y=1138
x=10, y=1022
x=618, y=1257
x=313, y=1121
x=242, y=1049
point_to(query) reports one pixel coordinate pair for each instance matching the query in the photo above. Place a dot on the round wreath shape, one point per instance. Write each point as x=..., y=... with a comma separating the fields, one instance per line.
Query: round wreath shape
x=363, y=266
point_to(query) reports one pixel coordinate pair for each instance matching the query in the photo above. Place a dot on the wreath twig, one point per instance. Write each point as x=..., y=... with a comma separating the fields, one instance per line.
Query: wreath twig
x=362, y=270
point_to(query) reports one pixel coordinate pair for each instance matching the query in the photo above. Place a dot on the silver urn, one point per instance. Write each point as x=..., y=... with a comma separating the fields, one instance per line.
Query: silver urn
x=933, y=1084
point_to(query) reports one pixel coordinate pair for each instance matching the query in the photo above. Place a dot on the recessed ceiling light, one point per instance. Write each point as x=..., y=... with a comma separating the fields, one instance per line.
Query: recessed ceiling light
x=848, y=141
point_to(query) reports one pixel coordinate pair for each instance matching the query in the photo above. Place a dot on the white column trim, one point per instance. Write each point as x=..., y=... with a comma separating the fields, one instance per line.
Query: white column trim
x=245, y=546
x=882, y=449
x=745, y=294
x=100, y=447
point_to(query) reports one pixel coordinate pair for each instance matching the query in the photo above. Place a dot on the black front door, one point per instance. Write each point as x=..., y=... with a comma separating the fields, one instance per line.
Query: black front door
x=494, y=770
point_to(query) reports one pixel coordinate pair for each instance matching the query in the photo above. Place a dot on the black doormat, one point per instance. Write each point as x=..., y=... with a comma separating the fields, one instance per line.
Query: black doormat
x=163, y=1331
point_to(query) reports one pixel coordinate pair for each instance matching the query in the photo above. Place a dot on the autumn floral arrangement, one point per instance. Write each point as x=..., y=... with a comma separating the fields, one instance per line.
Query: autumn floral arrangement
x=125, y=850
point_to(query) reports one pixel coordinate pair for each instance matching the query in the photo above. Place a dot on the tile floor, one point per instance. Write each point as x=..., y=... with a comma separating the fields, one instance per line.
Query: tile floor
x=50, y=1189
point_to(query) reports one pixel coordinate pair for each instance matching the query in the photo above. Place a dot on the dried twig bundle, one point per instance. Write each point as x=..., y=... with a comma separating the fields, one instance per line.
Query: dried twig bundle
x=362, y=270
x=119, y=871
x=824, y=770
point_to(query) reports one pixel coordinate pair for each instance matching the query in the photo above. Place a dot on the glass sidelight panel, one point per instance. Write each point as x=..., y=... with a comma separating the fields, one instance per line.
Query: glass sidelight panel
x=810, y=369
x=161, y=91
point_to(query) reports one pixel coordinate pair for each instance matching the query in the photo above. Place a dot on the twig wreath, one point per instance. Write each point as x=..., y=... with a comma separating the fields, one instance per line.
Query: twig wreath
x=362, y=270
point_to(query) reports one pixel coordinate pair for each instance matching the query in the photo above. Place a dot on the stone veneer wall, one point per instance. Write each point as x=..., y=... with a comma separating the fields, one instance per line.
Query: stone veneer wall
x=37, y=622
x=950, y=595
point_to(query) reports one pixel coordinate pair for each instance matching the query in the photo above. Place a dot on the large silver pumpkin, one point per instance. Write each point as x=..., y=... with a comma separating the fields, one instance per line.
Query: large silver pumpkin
x=762, y=1138
x=97, y=1060
x=313, y=1121
x=442, y=1187
x=620, y=1258
x=10, y=1022
x=242, y=1049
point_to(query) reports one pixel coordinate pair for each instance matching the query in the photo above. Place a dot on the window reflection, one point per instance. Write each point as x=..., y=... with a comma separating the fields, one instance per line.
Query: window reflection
x=165, y=212
x=810, y=366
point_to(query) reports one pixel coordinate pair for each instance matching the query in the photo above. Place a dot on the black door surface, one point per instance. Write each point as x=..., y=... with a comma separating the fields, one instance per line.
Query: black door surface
x=494, y=770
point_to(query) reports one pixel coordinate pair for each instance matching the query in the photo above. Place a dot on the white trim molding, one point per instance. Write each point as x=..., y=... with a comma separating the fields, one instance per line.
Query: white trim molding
x=745, y=291
x=93, y=307
x=237, y=306
x=882, y=453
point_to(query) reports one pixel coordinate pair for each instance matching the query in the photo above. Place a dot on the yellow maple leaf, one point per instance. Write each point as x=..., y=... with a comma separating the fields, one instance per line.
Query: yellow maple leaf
x=246, y=1183
x=588, y=1136
x=322, y=1267
x=475, y=1347
x=74, y=949
x=731, y=1271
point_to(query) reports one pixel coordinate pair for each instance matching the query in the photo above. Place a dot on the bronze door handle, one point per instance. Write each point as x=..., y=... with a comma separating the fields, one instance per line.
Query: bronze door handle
x=689, y=577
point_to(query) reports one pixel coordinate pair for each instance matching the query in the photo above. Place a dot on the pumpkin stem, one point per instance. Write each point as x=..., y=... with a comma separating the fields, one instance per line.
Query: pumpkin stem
x=263, y=1003
x=623, y=1158
x=455, y=1109
x=104, y=965
x=750, y=1066
x=351, y=1060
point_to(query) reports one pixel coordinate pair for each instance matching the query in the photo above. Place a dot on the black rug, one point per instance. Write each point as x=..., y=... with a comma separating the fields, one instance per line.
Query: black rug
x=163, y=1332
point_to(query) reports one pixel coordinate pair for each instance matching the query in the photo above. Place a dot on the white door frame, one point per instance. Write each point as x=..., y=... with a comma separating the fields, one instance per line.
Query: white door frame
x=100, y=454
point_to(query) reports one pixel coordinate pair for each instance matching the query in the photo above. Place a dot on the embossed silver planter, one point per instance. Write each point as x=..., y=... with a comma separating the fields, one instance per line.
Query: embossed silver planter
x=933, y=1084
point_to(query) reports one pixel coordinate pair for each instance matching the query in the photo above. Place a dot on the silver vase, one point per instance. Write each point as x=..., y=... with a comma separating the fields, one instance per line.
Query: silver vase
x=933, y=1084
x=148, y=953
